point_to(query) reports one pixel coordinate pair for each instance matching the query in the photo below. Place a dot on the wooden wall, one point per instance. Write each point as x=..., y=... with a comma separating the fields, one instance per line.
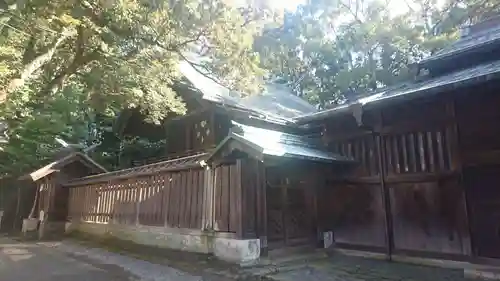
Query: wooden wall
x=405, y=192
x=194, y=133
x=173, y=199
x=193, y=198
x=478, y=114
x=227, y=198
x=254, y=216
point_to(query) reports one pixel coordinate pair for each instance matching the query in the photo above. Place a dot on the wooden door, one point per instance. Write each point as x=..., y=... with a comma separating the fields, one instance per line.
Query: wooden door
x=482, y=186
x=289, y=214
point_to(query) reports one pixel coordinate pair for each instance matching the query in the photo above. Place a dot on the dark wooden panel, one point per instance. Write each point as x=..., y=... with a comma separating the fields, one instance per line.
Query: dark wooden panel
x=235, y=200
x=188, y=199
x=483, y=194
x=354, y=212
x=223, y=220
x=166, y=196
x=429, y=217
x=200, y=205
x=175, y=200
x=194, y=199
x=218, y=196
x=250, y=190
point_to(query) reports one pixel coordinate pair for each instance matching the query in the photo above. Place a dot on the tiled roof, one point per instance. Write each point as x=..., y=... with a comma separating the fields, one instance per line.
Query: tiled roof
x=470, y=76
x=275, y=143
x=179, y=163
x=276, y=100
x=60, y=163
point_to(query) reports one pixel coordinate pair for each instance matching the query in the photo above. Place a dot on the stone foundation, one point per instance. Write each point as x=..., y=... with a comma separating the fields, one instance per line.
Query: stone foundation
x=237, y=251
x=228, y=249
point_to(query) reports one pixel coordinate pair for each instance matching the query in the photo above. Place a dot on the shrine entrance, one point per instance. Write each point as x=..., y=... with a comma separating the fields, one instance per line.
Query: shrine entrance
x=290, y=209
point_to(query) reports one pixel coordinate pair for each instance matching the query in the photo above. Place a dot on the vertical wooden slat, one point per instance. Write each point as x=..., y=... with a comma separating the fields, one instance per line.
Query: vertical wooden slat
x=98, y=205
x=421, y=152
x=137, y=185
x=397, y=159
x=224, y=219
x=440, y=144
x=147, y=200
x=182, y=200
x=152, y=203
x=189, y=197
x=104, y=194
x=388, y=150
x=156, y=195
x=194, y=199
x=86, y=204
x=452, y=138
x=165, y=197
x=160, y=220
x=404, y=150
x=121, y=203
x=201, y=203
x=235, y=201
x=171, y=199
x=363, y=155
x=208, y=207
x=430, y=146
x=218, y=198
x=413, y=155
x=176, y=200
x=115, y=203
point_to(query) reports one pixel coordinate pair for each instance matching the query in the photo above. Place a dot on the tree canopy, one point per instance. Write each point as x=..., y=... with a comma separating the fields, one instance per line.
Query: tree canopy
x=65, y=62
x=67, y=67
x=327, y=49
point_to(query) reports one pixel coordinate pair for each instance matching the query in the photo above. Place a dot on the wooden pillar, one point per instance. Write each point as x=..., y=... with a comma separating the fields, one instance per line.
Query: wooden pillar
x=454, y=152
x=208, y=199
x=237, y=198
x=261, y=219
x=385, y=192
x=138, y=195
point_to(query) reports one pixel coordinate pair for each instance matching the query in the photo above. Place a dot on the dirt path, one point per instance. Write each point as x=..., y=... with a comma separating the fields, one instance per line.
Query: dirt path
x=66, y=261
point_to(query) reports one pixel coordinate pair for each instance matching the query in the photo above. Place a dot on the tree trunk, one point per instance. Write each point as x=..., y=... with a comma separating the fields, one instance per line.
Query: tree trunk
x=34, y=65
x=32, y=212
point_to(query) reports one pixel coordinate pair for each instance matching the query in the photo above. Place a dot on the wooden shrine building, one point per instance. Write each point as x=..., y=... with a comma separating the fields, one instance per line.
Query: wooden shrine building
x=409, y=170
x=428, y=178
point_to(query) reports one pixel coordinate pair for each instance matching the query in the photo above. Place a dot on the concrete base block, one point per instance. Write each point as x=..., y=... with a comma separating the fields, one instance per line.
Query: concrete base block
x=237, y=251
x=190, y=241
x=29, y=225
x=242, y=252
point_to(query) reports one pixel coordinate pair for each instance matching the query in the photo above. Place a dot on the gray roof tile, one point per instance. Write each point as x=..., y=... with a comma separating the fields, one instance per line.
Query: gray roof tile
x=275, y=143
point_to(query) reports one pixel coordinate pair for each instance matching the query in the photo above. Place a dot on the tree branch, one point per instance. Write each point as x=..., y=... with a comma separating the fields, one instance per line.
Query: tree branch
x=78, y=61
x=29, y=69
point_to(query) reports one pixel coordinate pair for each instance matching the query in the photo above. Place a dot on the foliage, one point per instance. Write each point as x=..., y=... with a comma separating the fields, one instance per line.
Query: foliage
x=64, y=62
x=68, y=66
x=328, y=49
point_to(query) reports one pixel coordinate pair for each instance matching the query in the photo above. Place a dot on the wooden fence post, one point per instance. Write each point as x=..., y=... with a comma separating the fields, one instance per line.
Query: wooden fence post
x=208, y=199
x=138, y=196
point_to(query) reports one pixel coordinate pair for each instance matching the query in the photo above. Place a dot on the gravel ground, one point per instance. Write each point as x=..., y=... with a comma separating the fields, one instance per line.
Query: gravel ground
x=141, y=270
x=69, y=261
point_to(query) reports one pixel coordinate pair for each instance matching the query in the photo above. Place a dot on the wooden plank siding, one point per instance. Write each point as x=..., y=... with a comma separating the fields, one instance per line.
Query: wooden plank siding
x=425, y=202
x=171, y=199
x=228, y=198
